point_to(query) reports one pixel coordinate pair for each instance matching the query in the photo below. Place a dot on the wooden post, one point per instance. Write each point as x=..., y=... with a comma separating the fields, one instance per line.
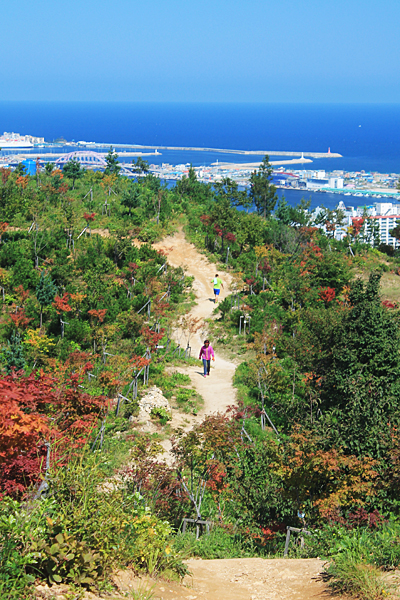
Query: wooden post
x=285, y=553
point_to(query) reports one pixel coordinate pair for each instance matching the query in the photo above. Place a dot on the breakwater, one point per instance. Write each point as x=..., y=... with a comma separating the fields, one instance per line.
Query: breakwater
x=227, y=151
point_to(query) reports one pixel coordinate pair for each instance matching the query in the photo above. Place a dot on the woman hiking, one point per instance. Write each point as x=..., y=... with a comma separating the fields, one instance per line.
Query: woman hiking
x=206, y=353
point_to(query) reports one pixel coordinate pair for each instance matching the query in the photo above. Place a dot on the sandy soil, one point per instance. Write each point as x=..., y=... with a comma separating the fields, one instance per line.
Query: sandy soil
x=225, y=579
x=217, y=389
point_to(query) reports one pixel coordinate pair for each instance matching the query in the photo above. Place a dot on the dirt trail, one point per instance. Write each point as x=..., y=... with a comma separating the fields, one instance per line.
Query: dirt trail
x=217, y=390
x=222, y=579
x=243, y=579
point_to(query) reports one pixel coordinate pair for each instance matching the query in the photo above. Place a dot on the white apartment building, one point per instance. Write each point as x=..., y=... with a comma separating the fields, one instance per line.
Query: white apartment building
x=385, y=213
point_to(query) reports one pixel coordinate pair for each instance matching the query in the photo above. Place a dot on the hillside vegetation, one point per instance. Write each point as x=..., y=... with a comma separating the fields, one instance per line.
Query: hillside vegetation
x=89, y=310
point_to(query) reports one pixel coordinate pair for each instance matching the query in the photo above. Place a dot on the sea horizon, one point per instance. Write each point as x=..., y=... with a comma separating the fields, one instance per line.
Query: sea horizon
x=366, y=135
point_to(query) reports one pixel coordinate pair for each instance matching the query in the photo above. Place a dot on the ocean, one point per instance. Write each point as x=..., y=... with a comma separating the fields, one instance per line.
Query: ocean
x=367, y=135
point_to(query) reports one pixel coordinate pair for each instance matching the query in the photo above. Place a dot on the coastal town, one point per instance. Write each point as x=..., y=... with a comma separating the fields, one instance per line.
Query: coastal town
x=376, y=217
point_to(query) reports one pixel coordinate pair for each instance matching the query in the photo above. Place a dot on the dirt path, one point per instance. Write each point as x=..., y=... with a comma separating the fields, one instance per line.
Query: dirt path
x=223, y=579
x=217, y=390
x=220, y=579
x=244, y=579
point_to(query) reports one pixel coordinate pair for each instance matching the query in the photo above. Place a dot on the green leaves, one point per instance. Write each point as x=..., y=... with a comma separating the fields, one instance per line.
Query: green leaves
x=46, y=290
x=262, y=191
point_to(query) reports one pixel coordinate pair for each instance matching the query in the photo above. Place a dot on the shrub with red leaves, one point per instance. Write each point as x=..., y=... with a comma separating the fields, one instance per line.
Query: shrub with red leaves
x=89, y=217
x=357, y=224
x=326, y=294
x=61, y=303
x=389, y=304
x=35, y=409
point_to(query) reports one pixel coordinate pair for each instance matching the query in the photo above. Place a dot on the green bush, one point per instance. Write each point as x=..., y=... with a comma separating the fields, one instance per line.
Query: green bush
x=221, y=542
x=161, y=414
x=85, y=528
x=18, y=525
x=180, y=379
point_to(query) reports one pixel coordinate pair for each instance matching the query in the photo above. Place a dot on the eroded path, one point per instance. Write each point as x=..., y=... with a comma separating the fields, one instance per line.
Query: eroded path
x=243, y=579
x=217, y=390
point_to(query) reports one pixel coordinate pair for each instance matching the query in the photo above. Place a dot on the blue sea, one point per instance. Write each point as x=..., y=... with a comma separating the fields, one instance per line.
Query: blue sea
x=367, y=135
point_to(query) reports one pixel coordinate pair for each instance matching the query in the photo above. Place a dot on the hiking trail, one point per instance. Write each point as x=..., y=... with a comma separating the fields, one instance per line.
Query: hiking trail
x=217, y=579
x=217, y=390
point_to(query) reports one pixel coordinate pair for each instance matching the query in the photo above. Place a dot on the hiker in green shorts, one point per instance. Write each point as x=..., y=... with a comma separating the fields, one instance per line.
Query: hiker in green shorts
x=217, y=283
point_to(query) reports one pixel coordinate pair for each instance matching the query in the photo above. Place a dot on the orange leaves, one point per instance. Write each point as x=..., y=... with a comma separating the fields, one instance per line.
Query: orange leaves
x=22, y=421
x=217, y=477
x=61, y=303
x=20, y=319
x=98, y=314
x=138, y=362
x=329, y=479
x=326, y=294
x=109, y=380
x=5, y=174
x=21, y=294
x=3, y=227
x=151, y=338
x=357, y=224
x=22, y=181
x=89, y=217
x=34, y=409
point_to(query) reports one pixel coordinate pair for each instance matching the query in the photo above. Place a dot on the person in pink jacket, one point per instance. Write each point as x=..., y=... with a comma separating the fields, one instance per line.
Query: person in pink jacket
x=206, y=354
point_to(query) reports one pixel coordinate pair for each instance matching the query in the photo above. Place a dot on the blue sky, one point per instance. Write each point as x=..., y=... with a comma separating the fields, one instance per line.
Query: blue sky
x=203, y=50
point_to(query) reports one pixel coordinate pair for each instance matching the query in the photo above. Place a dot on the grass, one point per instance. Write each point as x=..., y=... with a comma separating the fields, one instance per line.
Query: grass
x=187, y=399
x=220, y=543
x=359, y=579
x=390, y=287
x=142, y=592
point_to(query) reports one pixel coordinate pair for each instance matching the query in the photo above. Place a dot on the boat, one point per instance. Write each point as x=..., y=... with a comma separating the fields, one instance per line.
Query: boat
x=15, y=140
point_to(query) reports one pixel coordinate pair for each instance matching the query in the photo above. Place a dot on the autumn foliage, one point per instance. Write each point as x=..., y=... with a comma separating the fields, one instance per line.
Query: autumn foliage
x=35, y=409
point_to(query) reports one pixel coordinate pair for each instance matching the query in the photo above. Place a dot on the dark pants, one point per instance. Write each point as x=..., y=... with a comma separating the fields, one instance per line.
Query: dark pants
x=206, y=364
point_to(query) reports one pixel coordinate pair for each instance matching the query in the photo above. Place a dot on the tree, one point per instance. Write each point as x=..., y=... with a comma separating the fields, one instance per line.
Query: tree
x=73, y=170
x=262, y=191
x=14, y=354
x=360, y=390
x=131, y=197
x=49, y=168
x=227, y=189
x=45, y=293
x=113, y=167
x=140, y=166
x=283, y=212
x=20, y=169
x=395, y=232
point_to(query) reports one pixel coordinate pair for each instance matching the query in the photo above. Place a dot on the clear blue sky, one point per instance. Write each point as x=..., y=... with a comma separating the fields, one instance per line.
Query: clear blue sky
x=201, y=50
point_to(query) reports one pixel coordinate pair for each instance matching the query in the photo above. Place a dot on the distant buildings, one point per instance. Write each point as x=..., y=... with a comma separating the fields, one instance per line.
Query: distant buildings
x=382, y=214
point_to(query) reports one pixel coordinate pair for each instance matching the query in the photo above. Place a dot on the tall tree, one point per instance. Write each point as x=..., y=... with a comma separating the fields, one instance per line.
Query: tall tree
x=45, y=292
x=262, y=190
x=140, y=166
x=14, y=353
x=229, y=189
x=113, y=167
x=73, y=170
x=131, y=196
x=360, y=380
